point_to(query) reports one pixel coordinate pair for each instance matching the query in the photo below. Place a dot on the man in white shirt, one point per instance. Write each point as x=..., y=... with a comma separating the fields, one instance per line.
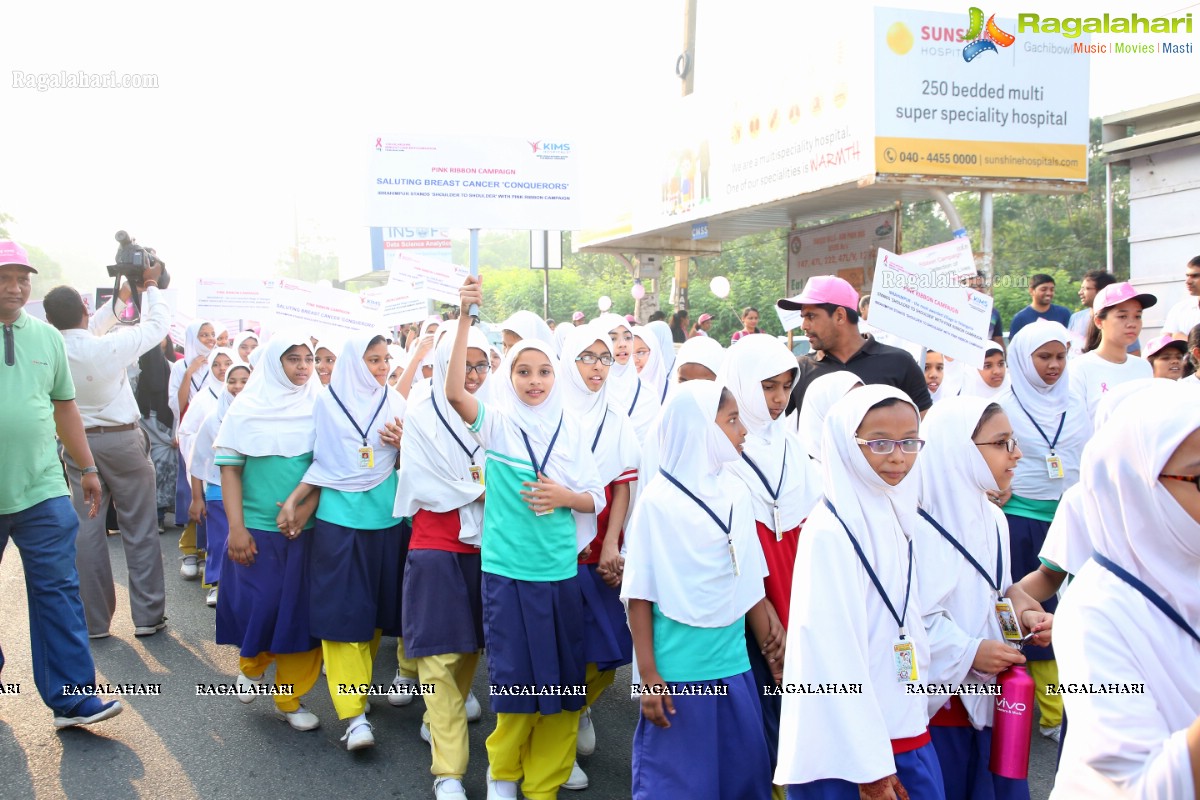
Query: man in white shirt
x=99, y=357
x=1185, y=314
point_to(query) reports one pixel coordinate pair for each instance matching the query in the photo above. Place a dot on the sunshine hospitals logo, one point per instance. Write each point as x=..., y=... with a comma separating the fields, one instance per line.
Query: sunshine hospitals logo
x=981, y=38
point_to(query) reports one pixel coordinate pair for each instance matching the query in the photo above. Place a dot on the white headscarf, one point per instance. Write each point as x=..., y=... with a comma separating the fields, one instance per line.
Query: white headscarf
x=272, y=416
x=955, y=598
x=654, y=372
x=193, y=348
x=204, y=401
x=425, y=326
x=774, y=450
x=435, y=470
x=820, y=397
x=528, y=325
x=666, y=348
x=561, y=333
x=677, y=555
x=702, y=350
x=953, y=376
x=627, y=392
x=201, y=464
x=973, y=384
x=370, y=406
x=239, y=338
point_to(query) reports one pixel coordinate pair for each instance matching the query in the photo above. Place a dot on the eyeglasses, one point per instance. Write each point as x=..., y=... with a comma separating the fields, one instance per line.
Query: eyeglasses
x=640, y=353
x=1193, y=479
x=480, y=368
x=883, y=447
x=1008, y=444
x=591, y=358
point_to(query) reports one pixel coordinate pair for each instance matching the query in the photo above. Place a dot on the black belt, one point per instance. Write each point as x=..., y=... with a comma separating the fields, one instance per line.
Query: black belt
x=111, y=428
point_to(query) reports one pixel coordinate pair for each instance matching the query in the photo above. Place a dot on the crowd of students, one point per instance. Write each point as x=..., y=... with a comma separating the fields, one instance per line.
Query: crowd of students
x=778, y=574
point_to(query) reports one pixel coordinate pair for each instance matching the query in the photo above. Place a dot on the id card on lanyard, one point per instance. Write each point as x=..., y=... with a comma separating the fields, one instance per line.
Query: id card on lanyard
x=772, y=493
x=366, y=453
x=726, y=527
x=1005, y=614
x=539, y=468
x=1054, y=463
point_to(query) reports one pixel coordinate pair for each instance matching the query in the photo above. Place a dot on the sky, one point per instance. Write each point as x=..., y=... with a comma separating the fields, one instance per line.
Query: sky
x=256, y=129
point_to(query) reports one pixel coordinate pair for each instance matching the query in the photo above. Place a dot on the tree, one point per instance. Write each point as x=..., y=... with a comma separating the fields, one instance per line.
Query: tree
x=311, y=261
x=50, y=272
x=4, y=218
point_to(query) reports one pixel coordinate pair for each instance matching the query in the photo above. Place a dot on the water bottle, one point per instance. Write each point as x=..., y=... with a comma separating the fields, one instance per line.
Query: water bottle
x=1012, y=724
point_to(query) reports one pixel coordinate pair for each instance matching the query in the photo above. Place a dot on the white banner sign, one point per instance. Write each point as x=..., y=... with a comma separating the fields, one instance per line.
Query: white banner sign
x=315, y=310
x=950, y=262
x=440, y=279
x=474, y=182
x=233, y=298
x=909, y=302
x=396, y=303
x=846, y=249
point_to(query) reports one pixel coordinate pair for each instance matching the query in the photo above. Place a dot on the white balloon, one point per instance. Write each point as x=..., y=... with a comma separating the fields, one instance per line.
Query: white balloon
x=719, y=286
x=638, y=291
x=604, y=303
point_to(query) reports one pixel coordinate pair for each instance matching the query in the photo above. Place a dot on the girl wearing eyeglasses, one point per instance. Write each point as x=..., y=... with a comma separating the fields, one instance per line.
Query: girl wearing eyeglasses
x=963, y=571
x=1052, y=425
x=606, y=643
x=855, y=623
x=627, y=392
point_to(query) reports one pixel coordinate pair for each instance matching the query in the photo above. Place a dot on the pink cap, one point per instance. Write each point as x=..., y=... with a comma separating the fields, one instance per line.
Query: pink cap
x=631, y=319
x=1166, y=340
x=1117, y=293
x=704, y=318
x=577, y=315
x=12, y=253
x=823, y=289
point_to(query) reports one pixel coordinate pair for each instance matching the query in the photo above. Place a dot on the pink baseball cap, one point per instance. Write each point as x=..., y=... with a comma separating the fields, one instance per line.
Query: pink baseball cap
x=631, y=319
x=1164, y=341
x=822, y=289
x=1117, y=293
x=704, y=318
x=13, y=254
x=577, y=315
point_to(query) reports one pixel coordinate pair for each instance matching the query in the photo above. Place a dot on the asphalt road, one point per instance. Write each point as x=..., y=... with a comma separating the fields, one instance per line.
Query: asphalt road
x=178, y=745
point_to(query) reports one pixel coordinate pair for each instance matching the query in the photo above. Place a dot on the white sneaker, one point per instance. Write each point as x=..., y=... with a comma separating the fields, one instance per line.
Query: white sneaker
x=449, y=789
x=425, y=737
x=190, y=568
x=585, y=742
x=474, y=710
x=578, y=780
x=211, y=599
x=359, y=734
x=500, y=790
x=301, y=719
x=246, y=687
x=403, y=690
x=1053, y=733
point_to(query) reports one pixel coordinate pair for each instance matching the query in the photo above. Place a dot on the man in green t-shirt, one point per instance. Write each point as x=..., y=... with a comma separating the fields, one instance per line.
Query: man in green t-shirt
x=38, y=399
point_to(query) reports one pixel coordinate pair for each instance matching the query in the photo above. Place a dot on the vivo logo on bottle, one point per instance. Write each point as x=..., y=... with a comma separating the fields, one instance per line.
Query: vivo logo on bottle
x=1010, y=708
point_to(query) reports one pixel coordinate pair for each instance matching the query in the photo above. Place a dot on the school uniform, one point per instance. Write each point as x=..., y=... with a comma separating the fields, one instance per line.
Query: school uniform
x=665, y=361
x=963, y=570
x=192, y=349
x=819, y=400
x=856, y=619
x=973, y=384
x=263, y=608
x=1130, y=616
x=701, y=350
x=442, y=617
x=625, y=389
x=532, y=608
x=693, y=554
x=356, y=551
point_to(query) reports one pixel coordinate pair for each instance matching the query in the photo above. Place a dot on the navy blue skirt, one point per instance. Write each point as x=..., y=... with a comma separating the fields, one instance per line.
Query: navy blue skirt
x=772, y=704
x=443, y=603
x=216, y=526
x=183, y=492
x=963, y=755
x=534, y=636
x=607, y=642
x=1026, y=537
x=918, y=770
x=263, y=608
x=355, y=582
x=714, y=749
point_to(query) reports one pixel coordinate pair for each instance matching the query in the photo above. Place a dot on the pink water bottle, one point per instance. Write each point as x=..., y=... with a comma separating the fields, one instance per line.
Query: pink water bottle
x=1012, y=724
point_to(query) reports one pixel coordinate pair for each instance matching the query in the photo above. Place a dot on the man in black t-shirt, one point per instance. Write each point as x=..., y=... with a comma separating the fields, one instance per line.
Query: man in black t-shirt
x=830, y=320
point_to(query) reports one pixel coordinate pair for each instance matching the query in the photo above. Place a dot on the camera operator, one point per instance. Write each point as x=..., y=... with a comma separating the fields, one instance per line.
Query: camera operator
x=99, y=357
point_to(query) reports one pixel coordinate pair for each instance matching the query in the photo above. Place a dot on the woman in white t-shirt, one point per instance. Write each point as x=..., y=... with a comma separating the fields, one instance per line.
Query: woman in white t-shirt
x=1105, y=364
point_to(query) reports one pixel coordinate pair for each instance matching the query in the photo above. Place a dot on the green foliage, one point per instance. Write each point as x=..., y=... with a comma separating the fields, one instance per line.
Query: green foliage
x=4, y=218
x=309, y=262
x=50, y=272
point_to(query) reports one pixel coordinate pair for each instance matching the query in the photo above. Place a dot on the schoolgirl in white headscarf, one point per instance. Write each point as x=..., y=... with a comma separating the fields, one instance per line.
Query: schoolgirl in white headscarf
x=975, y=384
x=441, y=489
x=627, y=392
x=693, y=579
x=525, y=325
x=1052, y=425
x=327, y=349
x=1131, y=615
x=819, y=399
x=607, y=644
x=264, y=447
x=244, y=344
x=190, y=374
x=963, y=571
x=540, y=475
x=665, y=345
x=864, y=634
x=220, y=360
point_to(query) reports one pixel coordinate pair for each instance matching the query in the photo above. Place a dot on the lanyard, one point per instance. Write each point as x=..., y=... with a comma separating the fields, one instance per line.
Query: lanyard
x=214, y=394
x=10, y=350
x=1147, y=592
x=446, y=425
x=596, y=441
x=970, y=559
x=361, y=432
x=875, y=578
x=766, y=484
x=196, y=386
x=636, y=395
x=1042, y=433
x=726, y=527
x=540, y=470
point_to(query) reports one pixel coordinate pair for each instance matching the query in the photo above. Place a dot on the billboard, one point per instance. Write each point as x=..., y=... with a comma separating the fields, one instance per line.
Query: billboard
x=846, y=249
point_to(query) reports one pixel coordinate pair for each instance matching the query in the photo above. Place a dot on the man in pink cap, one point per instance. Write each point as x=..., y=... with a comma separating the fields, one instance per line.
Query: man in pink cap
x=702, y=325
x=829, y=309
x=577, y=319
x=38, y=398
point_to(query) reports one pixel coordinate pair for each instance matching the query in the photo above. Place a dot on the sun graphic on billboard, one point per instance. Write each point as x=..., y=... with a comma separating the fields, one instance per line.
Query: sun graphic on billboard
x=899, y=38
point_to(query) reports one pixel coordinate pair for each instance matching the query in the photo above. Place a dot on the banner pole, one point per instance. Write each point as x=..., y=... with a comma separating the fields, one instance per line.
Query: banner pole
x=474, y=310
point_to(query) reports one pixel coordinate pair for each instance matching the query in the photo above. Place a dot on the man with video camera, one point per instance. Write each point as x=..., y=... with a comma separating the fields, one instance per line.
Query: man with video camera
x=99, y=354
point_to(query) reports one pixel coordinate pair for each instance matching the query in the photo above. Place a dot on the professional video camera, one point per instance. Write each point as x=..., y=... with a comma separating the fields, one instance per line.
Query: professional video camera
x=132, y=261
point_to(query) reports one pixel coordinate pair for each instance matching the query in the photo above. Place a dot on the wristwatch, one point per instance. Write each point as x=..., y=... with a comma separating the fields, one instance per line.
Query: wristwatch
x=90, y=470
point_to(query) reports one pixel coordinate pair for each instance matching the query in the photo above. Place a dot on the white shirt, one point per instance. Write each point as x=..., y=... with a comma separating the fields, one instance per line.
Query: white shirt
x=1091, y=376
x=1182, y=317
x=99, y=361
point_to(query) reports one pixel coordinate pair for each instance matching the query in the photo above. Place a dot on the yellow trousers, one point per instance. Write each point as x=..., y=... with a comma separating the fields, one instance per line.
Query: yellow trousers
x=300, y=670
x=449, y=675
x=597, y=681
x=187, y=540
x=534, y=749
x=407, y=666
x=1050, y=705
x=349, y=663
